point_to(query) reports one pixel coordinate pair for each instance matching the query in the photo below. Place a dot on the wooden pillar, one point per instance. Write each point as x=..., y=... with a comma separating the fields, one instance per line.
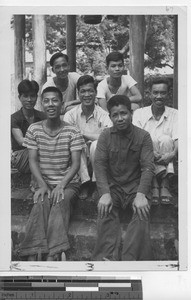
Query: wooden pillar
x=136, y=45
x=19, y=56
x=175, y=77
x=71, y=40
x=39, y=51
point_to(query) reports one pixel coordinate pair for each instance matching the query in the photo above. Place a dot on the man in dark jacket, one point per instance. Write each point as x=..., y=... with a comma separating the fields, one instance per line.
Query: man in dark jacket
x=124, y=168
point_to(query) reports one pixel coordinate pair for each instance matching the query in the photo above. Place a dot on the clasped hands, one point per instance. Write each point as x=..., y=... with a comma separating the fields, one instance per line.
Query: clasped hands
x=56, y=195
x=164, y=159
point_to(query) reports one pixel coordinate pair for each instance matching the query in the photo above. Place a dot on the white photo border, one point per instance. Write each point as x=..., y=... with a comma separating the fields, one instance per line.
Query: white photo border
x=5, y=214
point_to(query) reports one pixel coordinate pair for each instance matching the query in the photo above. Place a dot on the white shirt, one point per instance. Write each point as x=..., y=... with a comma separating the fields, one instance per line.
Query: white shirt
x=70, y=93
x=167, y=125
x=104, y=92
x=94, y=124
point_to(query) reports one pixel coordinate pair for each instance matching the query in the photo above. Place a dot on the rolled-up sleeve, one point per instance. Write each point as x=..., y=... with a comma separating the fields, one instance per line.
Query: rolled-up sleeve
x=147, y=165
x=101, y=164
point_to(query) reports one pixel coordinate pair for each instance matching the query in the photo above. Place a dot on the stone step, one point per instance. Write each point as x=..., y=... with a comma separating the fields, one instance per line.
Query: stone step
x=21, y=203
x=82, y=235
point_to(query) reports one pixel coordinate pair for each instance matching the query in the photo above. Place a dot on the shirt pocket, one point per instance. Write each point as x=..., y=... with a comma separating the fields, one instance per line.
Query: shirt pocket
x=114, y=156
x=134, y=153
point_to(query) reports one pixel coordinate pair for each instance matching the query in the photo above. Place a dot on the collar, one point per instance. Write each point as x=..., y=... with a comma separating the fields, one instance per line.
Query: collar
x=127, y=134
x=36, y=115
x=164, y=115
x=93, y=113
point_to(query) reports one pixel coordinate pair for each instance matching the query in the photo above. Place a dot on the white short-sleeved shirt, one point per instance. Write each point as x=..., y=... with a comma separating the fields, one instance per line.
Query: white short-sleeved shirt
x=94, y=124
x=167, y=125
x=70, y=92
x=126, y=83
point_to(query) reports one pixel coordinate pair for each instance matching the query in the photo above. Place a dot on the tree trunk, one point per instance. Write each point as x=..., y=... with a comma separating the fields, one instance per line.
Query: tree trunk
x=175, y=77
x=136, y=45
x=19, y=56
x=39, y=52
x=71, y=40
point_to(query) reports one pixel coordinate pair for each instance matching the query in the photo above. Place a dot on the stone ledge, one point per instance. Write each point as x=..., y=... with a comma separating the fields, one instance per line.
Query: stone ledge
x=82, y=235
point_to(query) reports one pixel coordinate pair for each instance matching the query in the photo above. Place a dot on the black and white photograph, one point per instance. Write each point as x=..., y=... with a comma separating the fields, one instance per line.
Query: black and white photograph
x=97, y=139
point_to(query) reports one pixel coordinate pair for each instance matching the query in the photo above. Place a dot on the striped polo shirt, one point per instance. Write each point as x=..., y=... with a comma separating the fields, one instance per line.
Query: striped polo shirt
x=54, y=153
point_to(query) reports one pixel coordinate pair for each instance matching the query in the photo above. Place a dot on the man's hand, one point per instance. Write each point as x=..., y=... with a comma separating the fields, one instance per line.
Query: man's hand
x=57, y=194
x=141, y=206
x=165, y=159
x=40, y=193
x=105, y=205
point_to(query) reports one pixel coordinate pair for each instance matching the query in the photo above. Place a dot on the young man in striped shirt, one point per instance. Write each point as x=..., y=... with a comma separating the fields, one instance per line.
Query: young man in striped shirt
x=54, y=156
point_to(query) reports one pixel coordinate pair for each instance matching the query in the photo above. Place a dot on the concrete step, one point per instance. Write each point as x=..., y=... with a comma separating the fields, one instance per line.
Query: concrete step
x=21, y=203
x=82, y=233
x=82, y=236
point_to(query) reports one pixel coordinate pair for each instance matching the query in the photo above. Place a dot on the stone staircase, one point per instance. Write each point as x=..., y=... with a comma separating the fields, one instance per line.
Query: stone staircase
x=82, y=232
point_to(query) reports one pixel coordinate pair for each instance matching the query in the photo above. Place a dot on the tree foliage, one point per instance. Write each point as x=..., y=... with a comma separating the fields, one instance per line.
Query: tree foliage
x=94, y=42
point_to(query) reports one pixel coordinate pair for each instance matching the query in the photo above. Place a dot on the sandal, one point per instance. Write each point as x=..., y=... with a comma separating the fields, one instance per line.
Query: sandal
x=166, y=197
x=155, y=197
x=166, y=200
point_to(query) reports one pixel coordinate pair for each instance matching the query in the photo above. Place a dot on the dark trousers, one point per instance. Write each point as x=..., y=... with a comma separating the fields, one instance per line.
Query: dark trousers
x=136, y=244
x=20, y=160
x=47, y=227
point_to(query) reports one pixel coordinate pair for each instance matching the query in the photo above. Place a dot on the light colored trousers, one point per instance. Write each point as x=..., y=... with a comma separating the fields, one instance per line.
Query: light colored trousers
x=88, y=152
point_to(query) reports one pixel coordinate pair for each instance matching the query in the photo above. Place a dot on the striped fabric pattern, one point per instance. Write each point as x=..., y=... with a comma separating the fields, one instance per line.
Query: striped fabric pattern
x=54, y=152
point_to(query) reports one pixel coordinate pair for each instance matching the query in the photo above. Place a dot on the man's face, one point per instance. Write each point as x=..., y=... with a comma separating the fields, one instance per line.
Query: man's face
x=115, y=68
x=159, y=93
x=121, y=117
x=28, y=100
x=52, y=105
x=87, y=94
x=60, y=67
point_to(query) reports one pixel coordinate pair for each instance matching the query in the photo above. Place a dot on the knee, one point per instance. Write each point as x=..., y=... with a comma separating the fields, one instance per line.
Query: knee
x=166, y=141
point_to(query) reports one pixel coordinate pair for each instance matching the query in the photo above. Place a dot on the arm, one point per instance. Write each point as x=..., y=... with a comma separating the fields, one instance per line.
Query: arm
x=59, y=189
x=147, y=165
x=101, y=168
x=18, y=135
x=35, y=170
x=140, y=204
x=102, y=103
x=135, y=96
x=88, y=136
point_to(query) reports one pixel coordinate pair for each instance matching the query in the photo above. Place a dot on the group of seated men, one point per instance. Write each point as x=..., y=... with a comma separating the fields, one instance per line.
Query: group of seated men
x=131, y=151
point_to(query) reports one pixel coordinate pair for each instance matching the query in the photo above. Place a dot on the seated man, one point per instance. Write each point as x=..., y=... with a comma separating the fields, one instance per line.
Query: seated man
x=54, y=156
x=20, y=121
x=64, y=80
x=91, y=120
x=117, y=83
x=161, y=122
x=124, y=169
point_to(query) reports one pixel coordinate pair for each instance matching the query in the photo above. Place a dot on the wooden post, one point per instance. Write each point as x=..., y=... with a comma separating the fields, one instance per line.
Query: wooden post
x=19, y=56
x=71, y=40
x=39, y=52
x=136, y=45
x=175, y=77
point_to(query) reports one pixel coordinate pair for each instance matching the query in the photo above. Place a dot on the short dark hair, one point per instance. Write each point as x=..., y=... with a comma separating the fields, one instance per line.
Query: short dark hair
x=114, y=56
x=160, y=81
x=57, y=55
x=52, y=89
x=85, y=79
x=118, y=100
x=26, y=86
